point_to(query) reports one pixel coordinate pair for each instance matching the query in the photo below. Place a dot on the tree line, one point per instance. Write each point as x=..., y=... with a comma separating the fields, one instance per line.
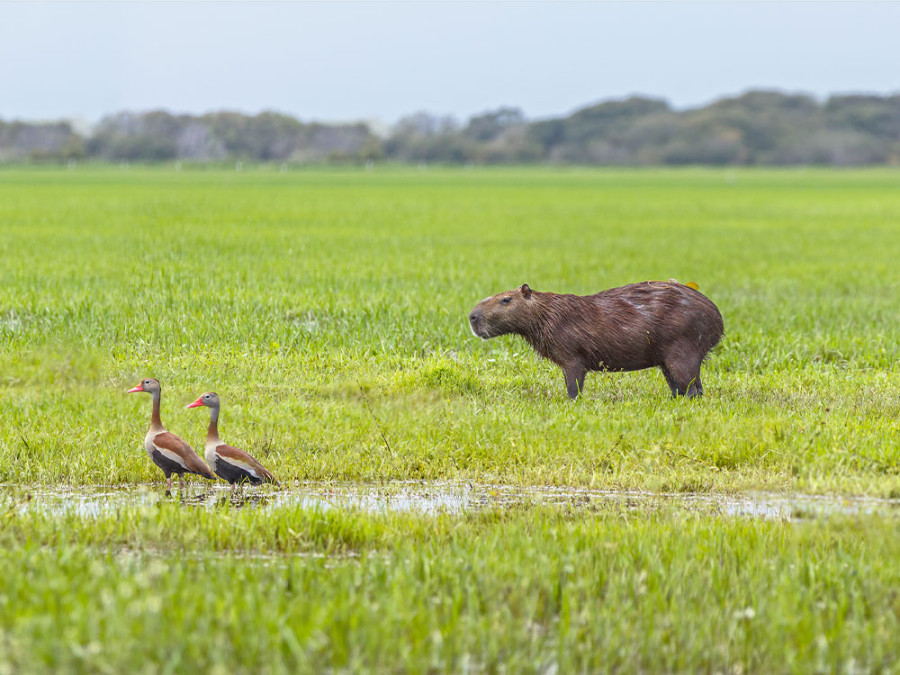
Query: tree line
x=755, y=128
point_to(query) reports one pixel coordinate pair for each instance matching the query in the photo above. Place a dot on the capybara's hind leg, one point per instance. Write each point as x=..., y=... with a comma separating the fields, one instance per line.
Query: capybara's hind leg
x=695, y=388
x=574, y=380
x=673, y=385
x=682, y=371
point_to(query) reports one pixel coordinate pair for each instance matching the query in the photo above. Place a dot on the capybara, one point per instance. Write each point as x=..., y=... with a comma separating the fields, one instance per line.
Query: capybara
x=653, y=323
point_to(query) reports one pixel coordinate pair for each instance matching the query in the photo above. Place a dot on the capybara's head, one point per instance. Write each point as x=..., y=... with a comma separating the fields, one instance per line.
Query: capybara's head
x=502, y=313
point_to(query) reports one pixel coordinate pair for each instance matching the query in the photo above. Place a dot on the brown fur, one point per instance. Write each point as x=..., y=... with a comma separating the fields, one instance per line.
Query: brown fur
x=653, y=323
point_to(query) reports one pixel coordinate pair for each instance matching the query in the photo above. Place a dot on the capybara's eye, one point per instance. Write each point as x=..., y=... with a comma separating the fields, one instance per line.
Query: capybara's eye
x=505, y=301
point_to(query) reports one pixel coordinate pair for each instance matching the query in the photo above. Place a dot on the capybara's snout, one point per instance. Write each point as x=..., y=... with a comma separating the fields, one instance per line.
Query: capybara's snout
x=476, y=319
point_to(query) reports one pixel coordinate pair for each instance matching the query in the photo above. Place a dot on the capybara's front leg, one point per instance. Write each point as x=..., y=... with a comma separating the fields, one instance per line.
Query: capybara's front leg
x=574, y=380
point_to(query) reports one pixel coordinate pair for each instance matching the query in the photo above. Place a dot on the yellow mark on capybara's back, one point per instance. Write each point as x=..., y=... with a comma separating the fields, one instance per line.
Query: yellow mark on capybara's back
x=690, y=284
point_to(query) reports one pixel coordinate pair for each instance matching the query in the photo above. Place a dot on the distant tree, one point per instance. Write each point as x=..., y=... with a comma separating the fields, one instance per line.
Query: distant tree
x=39, y=141
x=425, y=124
x=874, y=115
x=548, y=133
x=423, y=137
x=843, y=147
x=512, y=146
x=755, y=128
x=269, y=136
x=320, y=142
x=489, y=125
x=195, y=141
x=129, y=136
x=594, y=134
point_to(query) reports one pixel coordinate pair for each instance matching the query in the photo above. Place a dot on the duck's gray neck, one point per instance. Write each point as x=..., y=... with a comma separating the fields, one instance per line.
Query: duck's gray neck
x=212, y=433
x=155, y=421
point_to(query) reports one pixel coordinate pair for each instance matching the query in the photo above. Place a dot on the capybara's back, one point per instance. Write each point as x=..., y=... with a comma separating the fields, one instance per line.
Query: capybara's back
x=653, y=323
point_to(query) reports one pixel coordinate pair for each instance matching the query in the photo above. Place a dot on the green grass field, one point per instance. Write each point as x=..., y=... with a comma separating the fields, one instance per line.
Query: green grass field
x=328, y=310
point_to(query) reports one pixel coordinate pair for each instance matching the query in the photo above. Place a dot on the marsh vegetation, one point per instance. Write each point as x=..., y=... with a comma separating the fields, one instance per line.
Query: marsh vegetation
x=330, y=307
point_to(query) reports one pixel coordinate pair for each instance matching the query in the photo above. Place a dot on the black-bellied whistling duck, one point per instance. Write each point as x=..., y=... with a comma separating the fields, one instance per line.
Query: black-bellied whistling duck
x=229, y=463
x=168, y=452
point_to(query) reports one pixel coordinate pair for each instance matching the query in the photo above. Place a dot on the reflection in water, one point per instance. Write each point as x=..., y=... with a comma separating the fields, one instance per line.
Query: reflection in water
x=428, y=498
x=210, y=497
x=241, y=499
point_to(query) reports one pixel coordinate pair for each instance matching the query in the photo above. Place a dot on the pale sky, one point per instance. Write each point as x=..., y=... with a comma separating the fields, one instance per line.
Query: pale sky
x=338, y=61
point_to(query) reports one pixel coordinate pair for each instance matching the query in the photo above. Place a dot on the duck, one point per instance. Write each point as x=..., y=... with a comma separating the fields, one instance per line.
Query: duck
x=169, y=452
x=229, y=463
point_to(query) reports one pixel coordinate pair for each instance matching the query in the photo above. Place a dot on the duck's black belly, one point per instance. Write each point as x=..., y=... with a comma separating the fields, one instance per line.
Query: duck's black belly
x=167, y=465
x=234, y=474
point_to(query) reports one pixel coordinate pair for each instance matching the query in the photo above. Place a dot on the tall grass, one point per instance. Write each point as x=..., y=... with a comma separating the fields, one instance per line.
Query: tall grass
x=328, y=309
x=608, y=588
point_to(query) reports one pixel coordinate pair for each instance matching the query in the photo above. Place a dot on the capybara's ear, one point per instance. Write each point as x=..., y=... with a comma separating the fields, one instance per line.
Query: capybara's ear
x=526, y=290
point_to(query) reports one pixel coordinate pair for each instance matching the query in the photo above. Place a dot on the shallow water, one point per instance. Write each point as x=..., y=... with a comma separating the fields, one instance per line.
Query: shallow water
x=431, y=498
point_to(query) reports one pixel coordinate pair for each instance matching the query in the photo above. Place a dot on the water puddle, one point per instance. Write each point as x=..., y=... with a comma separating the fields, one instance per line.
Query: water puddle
x=432, y=498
